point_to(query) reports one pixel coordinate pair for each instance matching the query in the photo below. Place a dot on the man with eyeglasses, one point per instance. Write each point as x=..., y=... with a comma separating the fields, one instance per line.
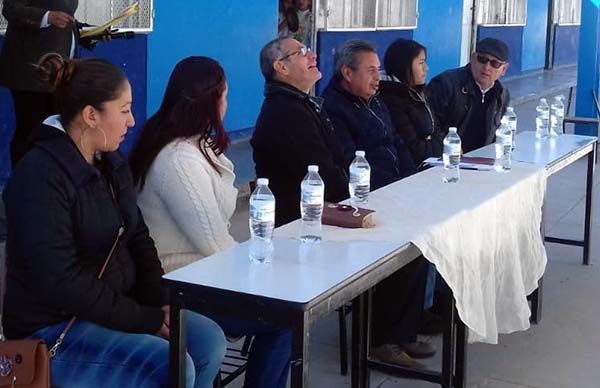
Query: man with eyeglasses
x=472, y=98
x=293, y=131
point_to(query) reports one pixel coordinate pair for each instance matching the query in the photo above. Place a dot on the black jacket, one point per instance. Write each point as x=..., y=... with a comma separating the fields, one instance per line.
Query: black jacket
x=26, y=42
x=292, y=132
x=361, y=125
x=413, y=120
x=451, y=96
x=62, y=220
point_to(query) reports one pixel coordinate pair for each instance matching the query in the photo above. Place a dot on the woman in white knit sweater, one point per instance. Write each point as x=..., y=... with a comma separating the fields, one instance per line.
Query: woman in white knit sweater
x=187, y=195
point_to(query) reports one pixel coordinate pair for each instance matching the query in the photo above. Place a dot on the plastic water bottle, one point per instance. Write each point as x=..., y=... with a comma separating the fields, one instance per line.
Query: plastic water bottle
x=262, y=222
x=311, y=205
x=503, y=146
x=557, y=115
x=360, y=180
x=541, y=119
x=451, y=156
x=511, y=119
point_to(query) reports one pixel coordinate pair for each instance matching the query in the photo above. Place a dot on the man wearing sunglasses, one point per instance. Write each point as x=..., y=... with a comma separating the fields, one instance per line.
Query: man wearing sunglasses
x=472, y=98
x=293, y=130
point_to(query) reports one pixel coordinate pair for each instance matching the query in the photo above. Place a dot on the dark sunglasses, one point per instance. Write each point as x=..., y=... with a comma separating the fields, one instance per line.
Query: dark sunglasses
x=494, y=63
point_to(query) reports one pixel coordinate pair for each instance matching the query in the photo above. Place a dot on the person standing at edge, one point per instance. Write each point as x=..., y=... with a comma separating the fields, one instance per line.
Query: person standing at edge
x=35, y=28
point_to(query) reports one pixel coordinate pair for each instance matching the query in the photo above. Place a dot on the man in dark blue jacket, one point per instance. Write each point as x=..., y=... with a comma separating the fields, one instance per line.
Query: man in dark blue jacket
x=361, y=120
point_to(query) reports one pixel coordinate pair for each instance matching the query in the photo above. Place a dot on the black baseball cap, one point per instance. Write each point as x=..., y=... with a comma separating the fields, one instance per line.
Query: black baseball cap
x=494, y=47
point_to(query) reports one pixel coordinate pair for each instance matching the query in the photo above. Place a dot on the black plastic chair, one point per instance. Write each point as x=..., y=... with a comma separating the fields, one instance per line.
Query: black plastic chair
x=581, y=120
x=234, y=364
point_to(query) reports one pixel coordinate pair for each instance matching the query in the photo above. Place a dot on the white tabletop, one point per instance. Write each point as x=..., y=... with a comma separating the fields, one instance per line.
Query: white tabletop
x=543, y=152
x=298, y=272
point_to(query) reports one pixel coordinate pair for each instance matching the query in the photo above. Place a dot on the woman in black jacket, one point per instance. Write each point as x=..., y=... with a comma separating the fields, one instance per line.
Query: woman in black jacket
x=406, y=67
x=69, y=201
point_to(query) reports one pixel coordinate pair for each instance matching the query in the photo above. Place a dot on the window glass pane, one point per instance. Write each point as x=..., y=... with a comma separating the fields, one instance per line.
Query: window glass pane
x=98, y=12
x=397, y=13
x=516, y=11
x=492, y=12
x=567, y=12
x=350, y=13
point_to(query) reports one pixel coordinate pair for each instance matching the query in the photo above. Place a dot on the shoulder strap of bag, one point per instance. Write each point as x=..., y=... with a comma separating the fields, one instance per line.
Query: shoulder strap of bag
x=61, y=338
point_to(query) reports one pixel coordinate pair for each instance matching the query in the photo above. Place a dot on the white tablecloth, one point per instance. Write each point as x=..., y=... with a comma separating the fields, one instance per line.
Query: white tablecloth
x=483, y=235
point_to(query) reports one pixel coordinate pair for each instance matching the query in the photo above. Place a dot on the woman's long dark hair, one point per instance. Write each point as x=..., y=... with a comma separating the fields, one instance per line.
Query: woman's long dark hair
x=399, y=57
x=190, y=107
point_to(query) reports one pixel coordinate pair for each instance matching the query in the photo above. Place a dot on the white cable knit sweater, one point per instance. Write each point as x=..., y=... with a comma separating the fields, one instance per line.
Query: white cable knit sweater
x=187, y=204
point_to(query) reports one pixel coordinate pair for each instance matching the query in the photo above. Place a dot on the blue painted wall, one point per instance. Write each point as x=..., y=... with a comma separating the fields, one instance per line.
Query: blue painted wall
x=328, y=42
x=589, y=65
x=566, y=45
x=513, y=37
x=225, y=30
x=440, y=30
x=534, y=35
x=129, y=55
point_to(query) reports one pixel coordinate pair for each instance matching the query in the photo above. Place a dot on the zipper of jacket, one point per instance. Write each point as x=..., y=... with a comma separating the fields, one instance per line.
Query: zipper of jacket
x=396, y=167
x=423, y=99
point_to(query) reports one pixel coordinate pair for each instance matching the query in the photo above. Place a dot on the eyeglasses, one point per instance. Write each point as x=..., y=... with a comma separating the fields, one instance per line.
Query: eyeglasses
x=303, y=51
x=494, y=63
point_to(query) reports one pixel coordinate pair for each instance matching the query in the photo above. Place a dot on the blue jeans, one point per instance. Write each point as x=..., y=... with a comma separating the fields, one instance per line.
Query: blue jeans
x=94, y=356
x=269, y=359
x=430, y=287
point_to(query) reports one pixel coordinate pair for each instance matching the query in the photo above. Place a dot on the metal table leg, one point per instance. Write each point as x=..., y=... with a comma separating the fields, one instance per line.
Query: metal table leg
x=360, y=341
x=460, y=379
x=299, y=365
x=587, y=241
x=177, y=342
x=448, y=347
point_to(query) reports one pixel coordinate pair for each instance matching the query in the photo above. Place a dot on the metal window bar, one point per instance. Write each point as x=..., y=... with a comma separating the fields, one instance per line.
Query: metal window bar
x=502, y=12
x=366, y=15
x=99, y=12
x=567, y=12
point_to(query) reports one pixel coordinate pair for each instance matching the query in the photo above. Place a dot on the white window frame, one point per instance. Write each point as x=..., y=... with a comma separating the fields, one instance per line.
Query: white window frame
x=325, y=10
x=142, y=30
x=556, y=16
x=481, y=6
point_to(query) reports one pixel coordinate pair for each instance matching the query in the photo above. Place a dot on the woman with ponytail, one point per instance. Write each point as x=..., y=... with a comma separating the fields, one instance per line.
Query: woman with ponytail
x=187, y=194
x=70, y=206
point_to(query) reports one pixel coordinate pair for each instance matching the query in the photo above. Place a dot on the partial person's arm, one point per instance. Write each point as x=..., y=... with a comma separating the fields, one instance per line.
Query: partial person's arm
x=188, y=193
x=44, y=237
x=307, y=146
x=420, y=149
x=148, y=289
x=438, y=93
x=21, y=13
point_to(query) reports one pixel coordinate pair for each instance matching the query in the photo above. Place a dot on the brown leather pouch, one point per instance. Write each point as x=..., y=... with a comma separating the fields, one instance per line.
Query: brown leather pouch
x=24, y=364
x=347, y=216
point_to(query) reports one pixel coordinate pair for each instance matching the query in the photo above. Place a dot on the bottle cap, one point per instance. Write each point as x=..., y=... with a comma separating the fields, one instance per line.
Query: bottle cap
x=360, y=153
x=452, y=129
x=262, y=181
x=542, y=99
x=510, y=109
x=313, y=168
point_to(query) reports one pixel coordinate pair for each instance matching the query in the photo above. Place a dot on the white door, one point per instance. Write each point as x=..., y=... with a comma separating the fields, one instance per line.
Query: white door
x=468, y=30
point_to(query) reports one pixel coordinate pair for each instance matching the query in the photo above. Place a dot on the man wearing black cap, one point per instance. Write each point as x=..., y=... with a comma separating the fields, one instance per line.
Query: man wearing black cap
x=472, y=98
